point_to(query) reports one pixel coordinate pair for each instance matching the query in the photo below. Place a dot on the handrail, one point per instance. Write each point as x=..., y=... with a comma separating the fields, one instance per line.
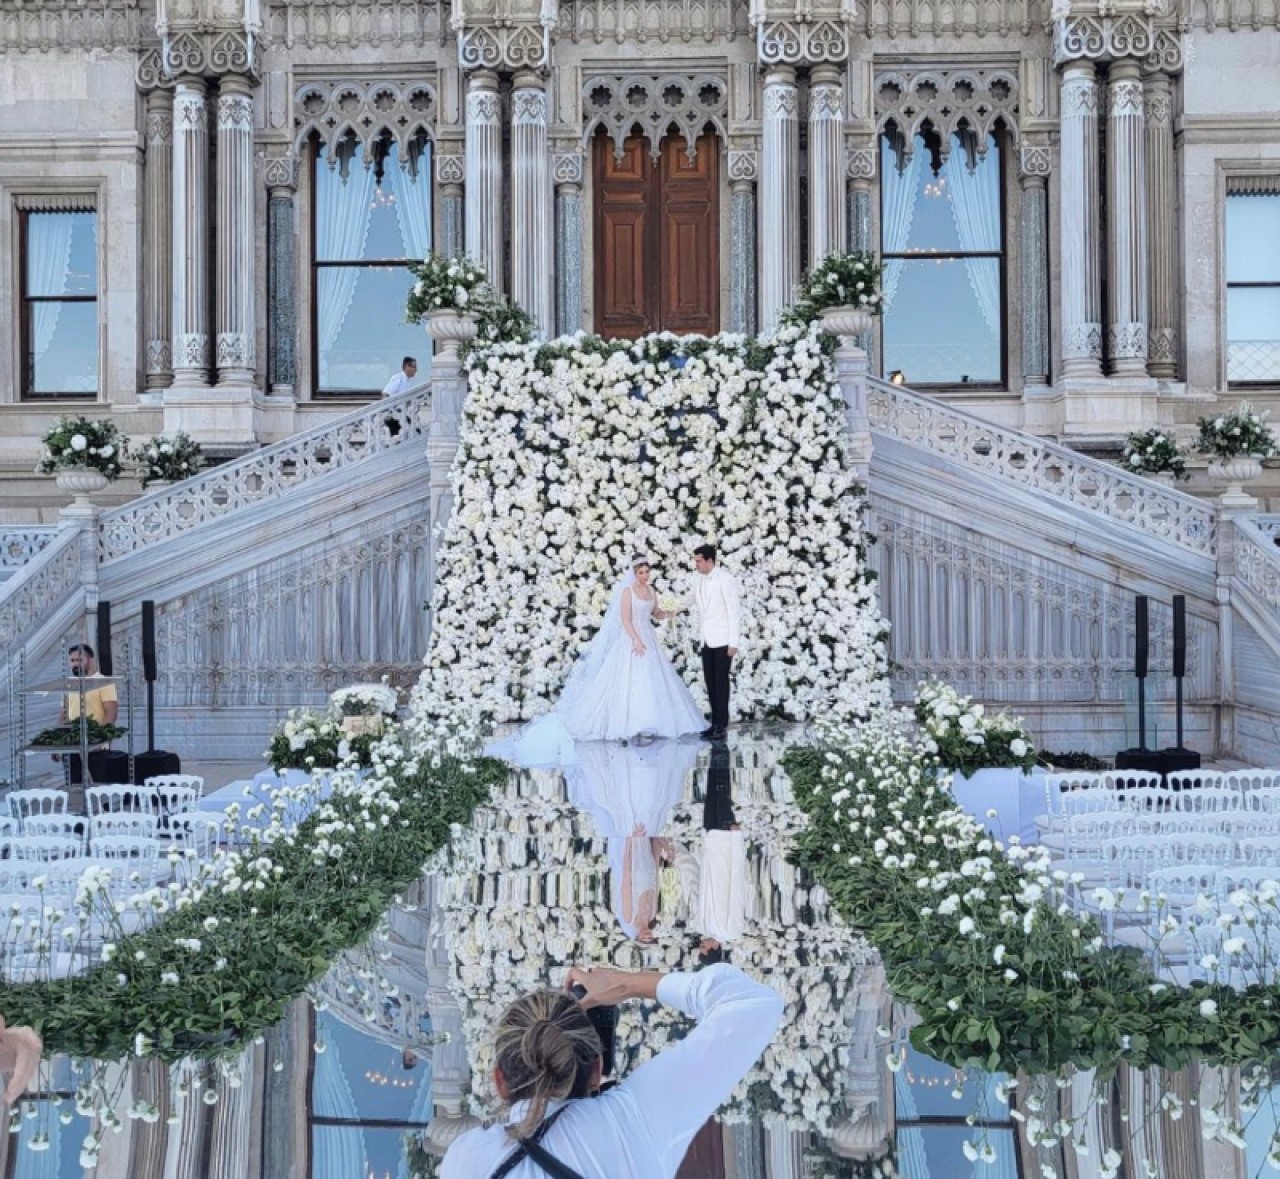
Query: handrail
x=274, y=470
x=1045, y=467
x=19, y=544
x=38, y=590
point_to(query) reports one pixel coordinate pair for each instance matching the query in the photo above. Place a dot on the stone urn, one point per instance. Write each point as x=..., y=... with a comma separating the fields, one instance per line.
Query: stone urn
x=1163, y=478
x=449, y=328
x=1235, y=472
x=82, y=482
x=848, y=322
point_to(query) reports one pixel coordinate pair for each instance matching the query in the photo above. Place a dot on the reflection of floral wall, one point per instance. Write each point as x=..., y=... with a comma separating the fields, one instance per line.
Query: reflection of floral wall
x=575, y=455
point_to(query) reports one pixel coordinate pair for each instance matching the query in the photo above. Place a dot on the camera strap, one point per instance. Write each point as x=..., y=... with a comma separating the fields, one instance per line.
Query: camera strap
x=531, y=1148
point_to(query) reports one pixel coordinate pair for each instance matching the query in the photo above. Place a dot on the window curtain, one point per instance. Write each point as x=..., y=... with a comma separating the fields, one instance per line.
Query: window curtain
x=48, y=268
x=421, y=1113
x=900, y=180
x=974, y=188
x=344, y=206
x=411, y=185
x=39, y=1164
x=343, y=1153
x=912, y=1160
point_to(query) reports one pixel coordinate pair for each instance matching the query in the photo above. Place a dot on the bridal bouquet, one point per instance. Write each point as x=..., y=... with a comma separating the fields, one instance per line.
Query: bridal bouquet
x=965, y=737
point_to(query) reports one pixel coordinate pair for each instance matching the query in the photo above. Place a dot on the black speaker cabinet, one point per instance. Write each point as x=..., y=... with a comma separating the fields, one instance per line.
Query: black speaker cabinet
x=153, y=763
x=1141, y=638
x=149, y=641
x=1179, y=635
x=106, y=664
x=106, y=766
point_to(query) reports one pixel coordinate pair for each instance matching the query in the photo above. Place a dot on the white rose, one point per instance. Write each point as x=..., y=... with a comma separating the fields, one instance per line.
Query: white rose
x=79, y=442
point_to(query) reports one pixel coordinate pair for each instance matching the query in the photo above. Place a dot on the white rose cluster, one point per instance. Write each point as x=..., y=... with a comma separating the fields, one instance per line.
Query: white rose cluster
x=576, y=455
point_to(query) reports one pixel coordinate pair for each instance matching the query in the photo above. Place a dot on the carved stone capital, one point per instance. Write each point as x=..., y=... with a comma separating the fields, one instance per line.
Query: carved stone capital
x=484, y=108
x=861, y=163
x=529, y=106
x=826, y=101
x=281, y=172
x=744, y=165
x=159, y=128
x=802, y=41
x=567, y=167
x=522, y=46
x=1035, y=159
x=450, y=169
x=1112, y=38
x=235, y=113
x=150, y=73
x=781, y=100
x=217, y=52
x=190, y=111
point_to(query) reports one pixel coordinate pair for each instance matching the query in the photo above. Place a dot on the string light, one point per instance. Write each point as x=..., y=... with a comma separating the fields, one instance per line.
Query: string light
x=936, y=188
x=382, y=199
x=377, y=1078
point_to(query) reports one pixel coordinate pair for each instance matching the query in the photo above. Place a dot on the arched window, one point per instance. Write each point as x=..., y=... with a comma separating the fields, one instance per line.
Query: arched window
x=371, y=217
x=943, y=244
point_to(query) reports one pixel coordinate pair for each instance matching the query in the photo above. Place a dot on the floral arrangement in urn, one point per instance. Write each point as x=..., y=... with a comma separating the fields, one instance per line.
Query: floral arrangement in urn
x=965, y=737
x=839, y=280
x=80, y=444
x=1155, y=452
x=168, y=458
x=1240, y=433
x=446, y=284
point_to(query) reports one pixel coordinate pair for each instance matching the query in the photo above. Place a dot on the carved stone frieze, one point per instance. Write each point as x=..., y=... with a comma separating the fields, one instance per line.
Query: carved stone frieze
x=744, y=165
x=192, y=350
x=567, y=167
x=88, y=25
x=216, y=52
x=967, y=102
x=523, y=47
x=159, y=356
x=340, y=24
x=150, y=73
x=1127, y=341
x=660, y=21
x=860, y=163
x=655, y=105
x=366, y=111
x=1109, y=38
x=800, y=41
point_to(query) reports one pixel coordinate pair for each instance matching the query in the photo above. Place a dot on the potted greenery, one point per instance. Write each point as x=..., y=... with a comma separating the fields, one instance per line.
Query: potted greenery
x=167, y=459
x=1236, y=442
x=83, y=455
x=843, y=291
x=1156, y=454
x=448, y=295
x=362, y=708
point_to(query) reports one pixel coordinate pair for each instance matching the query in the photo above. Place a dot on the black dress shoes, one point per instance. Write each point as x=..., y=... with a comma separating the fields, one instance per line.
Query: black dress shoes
x=712, y=734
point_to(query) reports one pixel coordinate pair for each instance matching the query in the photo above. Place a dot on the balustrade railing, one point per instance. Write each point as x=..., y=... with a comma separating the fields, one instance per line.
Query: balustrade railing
x=39, y=590
x=1257, y=559
x=265, y=474
x=1043, y=467
x=19, y=545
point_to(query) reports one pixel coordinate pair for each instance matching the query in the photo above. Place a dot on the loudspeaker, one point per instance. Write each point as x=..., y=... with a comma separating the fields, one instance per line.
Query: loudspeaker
x=105, y=662
x=154, y=763
x=1179, y=635
x=1141, y=640
x=149, y=641
x=105, y=766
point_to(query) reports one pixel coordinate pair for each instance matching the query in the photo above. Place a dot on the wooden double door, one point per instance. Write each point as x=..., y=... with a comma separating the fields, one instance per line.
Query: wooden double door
x=657, y=236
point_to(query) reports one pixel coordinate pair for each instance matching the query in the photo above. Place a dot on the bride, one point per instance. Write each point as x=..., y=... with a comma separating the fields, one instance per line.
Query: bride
x=622, y=686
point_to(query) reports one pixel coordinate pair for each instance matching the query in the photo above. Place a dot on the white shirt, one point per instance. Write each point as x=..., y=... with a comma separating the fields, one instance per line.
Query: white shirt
x=398, y=384
x=719, y=609
x=642, y=1128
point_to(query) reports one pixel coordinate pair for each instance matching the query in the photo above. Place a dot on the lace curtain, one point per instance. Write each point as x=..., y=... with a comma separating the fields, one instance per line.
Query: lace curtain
x=411, y=186
x=900, y=178
x=48, y=269
x=344, y=206
x=343, y=1154
x=974, y=187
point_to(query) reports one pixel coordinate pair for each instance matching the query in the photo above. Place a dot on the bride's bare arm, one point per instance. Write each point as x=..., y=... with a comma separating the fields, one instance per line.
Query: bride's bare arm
x=637, y=643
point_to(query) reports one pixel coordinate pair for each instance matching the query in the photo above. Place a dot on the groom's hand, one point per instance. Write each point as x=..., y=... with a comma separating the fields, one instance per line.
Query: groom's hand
x=732, y=652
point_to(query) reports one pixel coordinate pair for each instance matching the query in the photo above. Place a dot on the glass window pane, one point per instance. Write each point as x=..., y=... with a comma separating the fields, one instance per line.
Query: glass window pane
x=62, y=254
x=943, y=323
x=357, y=1152
x=1253, y=334
x=372, y=214
x=360, y=328
x=1253, y=238
x=359, y=1078
x=955, y=211
x=63, y=343
x=409, y=190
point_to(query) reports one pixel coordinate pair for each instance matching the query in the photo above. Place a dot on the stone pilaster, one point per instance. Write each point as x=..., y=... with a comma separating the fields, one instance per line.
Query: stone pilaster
x=567, y=170
x=190, y=235
x=1162, y=230
x=827, y=214
x=861, y=171
x=1127, y=223
x=449, y=176
x=1079, y=225
x=484, y=174
x=743, y=171
x=236, y=282
x=1033, y=179
x=531, y=209
x=157, y=240
x=779, y=196
x=282, y=264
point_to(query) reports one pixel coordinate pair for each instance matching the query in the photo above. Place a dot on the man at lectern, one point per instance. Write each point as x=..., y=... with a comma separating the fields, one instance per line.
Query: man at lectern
x=100, y=704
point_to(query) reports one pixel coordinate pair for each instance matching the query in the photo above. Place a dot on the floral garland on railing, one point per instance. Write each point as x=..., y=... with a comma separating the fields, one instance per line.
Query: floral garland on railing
x=577, y=454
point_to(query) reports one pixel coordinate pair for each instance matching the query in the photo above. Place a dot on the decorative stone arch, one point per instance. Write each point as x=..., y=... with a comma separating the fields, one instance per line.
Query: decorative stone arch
x=970, y=103
x=337, y=114
x=655, y=105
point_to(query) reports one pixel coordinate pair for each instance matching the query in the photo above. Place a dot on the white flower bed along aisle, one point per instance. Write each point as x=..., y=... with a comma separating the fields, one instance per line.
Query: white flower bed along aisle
x=579, y=453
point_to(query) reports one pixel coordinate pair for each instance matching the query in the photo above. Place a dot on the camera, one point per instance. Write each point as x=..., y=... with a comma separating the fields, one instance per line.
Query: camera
x=605, y=1021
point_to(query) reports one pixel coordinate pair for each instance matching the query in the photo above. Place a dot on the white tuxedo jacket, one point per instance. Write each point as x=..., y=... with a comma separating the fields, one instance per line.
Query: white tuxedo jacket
x=716, y=595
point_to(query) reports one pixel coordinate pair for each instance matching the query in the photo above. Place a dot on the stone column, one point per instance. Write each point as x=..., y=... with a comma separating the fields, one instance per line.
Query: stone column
x=190, y=235
x=779, y=196
x=449, y=176
x=236, y=281
x=282, y=271
x=1127, y=222
x=1033, y=177
x=157, y=240
x=743, y=169
x=827, y=215
x=567, y=170
x=531, y=211
x=1162, y=230
x=484, y=174
x=1078, y=229
x=862, y=173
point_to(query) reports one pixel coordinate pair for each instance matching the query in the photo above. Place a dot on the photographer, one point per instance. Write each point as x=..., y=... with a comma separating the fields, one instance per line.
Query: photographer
x=548, y=1070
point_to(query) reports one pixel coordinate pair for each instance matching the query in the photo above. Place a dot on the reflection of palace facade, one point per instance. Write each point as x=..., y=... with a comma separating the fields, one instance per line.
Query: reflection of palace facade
x=208, y=202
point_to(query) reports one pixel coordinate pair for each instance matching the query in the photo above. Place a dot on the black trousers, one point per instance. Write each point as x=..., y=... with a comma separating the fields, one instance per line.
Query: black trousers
x=715, y=670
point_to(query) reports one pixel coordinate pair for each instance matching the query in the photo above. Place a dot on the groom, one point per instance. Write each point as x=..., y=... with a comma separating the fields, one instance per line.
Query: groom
x=715, y=591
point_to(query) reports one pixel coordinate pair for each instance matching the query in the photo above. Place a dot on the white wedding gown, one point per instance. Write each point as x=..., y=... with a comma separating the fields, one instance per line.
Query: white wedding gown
x=611, y=694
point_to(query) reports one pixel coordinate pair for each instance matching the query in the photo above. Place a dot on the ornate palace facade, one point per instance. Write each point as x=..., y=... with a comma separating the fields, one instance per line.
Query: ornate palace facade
x=206, y=205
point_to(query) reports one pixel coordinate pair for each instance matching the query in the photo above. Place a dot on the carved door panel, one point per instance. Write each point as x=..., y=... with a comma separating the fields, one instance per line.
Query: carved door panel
x=657, y=245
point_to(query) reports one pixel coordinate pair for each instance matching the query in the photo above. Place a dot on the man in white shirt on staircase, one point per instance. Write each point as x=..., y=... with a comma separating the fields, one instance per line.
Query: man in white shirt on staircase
x=716, y=594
